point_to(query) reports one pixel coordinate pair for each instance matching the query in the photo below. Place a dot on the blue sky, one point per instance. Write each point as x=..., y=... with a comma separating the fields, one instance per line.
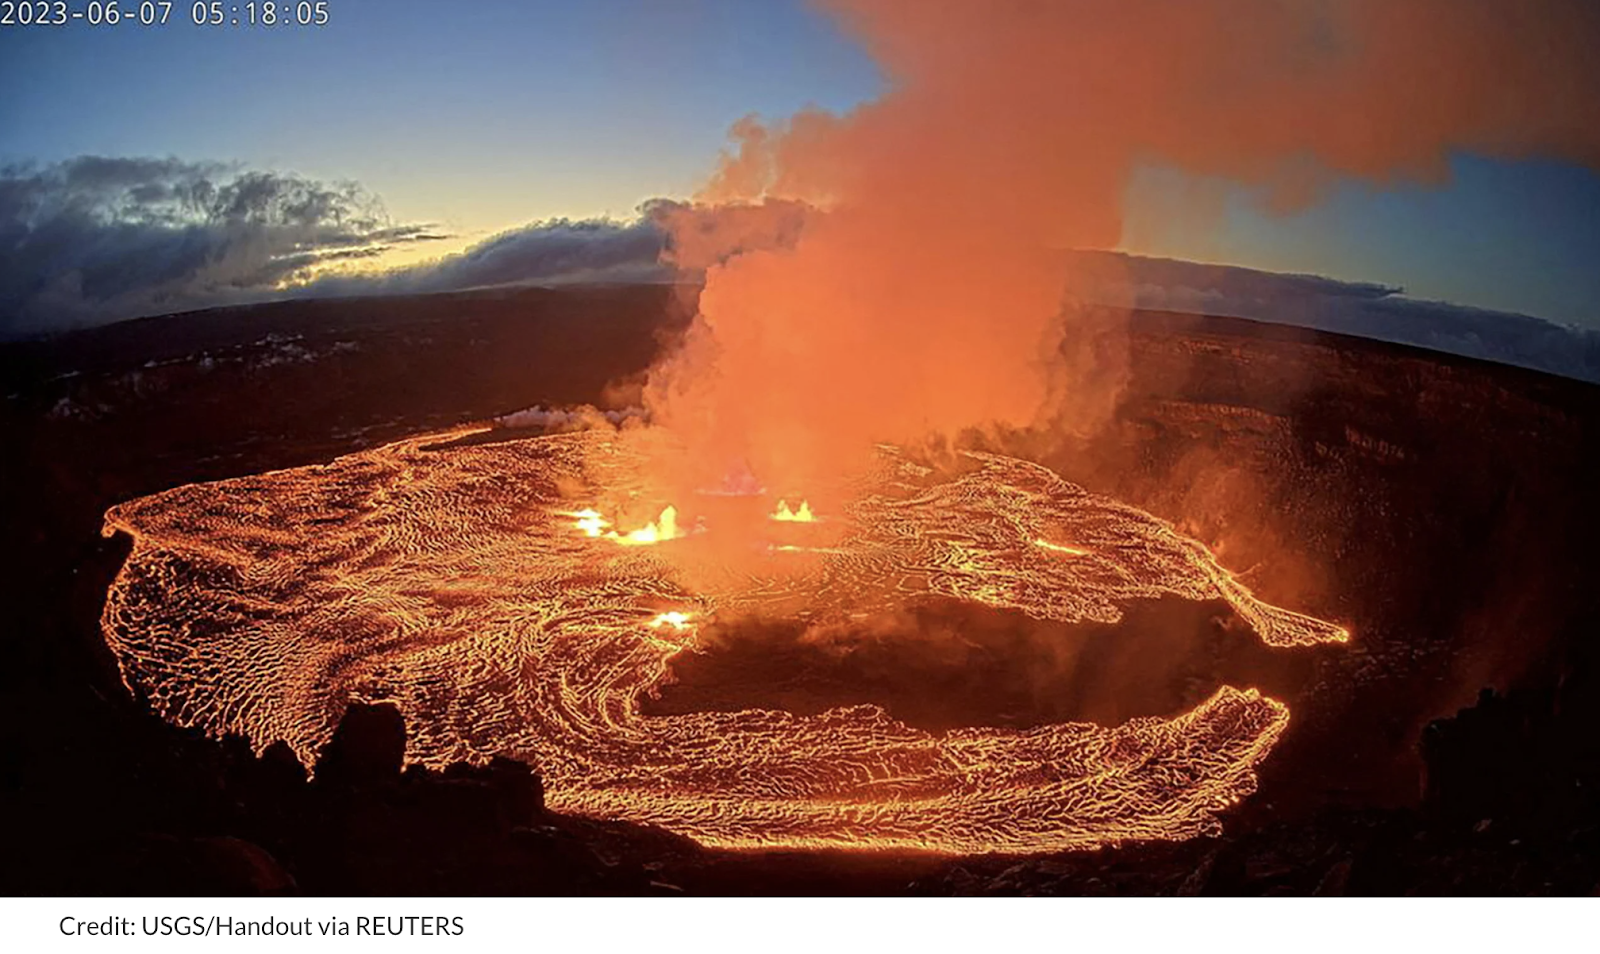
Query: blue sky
x=1511, y=236
x=483, y=116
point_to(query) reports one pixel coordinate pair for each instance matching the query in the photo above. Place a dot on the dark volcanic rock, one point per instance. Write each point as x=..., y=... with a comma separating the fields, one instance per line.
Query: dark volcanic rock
x=368, y=748
x=223, y=865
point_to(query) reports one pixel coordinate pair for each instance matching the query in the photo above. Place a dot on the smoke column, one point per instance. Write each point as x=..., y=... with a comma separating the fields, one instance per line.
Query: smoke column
x=926, y=294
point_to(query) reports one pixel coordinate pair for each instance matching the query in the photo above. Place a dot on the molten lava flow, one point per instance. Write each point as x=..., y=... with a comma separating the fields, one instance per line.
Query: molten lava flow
x=665, y=527
x=459, y=584
x=678, y=621
x=784, y=515
x=589, y=521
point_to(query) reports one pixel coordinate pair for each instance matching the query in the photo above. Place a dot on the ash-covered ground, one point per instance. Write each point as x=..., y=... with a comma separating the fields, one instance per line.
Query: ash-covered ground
x=1440, y=508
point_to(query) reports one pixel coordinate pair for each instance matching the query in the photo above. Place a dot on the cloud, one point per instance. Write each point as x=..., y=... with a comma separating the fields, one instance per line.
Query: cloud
x=668, y=240
x=1361, y=309
x=555, y=250
x=97, y=239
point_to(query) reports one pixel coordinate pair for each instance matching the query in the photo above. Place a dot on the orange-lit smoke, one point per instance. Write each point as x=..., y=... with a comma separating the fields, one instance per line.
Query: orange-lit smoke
x=927, y=296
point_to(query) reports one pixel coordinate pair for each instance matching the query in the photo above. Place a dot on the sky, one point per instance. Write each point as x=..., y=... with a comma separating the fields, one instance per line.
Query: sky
x=1512, y=236
x=481, y=117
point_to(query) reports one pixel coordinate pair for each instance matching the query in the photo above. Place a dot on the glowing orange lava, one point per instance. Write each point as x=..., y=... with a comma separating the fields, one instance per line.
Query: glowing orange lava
x=784, y=515
x=664, y=527
x=460, y=584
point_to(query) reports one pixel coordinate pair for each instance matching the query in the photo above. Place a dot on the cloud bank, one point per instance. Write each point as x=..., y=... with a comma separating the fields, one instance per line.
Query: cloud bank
x=1360, y=309
x=557, y=250
x=97, y=239
x=668, y=240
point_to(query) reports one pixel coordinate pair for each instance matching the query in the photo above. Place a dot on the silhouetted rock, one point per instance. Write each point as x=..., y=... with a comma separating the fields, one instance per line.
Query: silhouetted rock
x=1333, y=883
x=520, y=791
x=1515, y=763
x=368, y=747
x=280, y=766
x=207, y=866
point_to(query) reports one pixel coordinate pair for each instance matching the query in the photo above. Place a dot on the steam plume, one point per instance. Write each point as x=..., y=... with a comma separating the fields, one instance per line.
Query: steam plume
x=926, y=292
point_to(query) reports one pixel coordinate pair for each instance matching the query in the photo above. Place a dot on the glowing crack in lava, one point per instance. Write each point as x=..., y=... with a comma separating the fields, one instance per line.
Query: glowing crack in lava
x=477, y=587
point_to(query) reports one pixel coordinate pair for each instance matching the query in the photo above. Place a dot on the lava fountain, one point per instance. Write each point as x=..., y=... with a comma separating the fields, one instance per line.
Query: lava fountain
x=480, y=588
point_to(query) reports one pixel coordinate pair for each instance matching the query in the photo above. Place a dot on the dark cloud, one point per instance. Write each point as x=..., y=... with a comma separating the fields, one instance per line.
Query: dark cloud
x=557, y=250
x=97, y=239
x=668, y=240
